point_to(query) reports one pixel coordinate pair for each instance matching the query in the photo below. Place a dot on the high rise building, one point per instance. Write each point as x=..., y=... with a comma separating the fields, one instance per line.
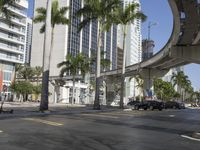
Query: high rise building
x=29, y=28
x=147, y=49
x=12, y=41
x=133, y=45
x=67, y=40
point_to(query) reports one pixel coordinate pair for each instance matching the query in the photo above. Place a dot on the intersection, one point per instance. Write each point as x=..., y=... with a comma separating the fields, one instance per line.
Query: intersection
x=117, y=130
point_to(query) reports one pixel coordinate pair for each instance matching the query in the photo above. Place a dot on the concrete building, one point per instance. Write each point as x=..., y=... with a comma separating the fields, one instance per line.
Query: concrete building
x=68, y=41
x=133, y=46
x=147, y=49
x=29, y=29
x=119, y=58
x=12, y=42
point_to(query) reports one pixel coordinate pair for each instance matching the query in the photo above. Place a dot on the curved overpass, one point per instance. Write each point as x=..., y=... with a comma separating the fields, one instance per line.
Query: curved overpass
x=182, y=48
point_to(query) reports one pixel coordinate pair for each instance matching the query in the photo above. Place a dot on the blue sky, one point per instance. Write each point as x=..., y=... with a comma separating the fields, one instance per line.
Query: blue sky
x=158, y=11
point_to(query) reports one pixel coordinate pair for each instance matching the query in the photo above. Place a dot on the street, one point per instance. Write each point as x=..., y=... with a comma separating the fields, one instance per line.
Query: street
x=118, y=130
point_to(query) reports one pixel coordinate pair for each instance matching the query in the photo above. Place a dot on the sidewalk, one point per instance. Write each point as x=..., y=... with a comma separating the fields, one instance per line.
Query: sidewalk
x=32, y=109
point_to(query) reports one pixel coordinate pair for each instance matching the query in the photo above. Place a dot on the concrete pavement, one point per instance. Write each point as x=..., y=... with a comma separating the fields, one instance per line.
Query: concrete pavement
x=32, y=109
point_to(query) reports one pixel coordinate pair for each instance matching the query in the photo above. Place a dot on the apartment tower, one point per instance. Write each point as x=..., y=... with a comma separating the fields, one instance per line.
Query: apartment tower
x=133, y=46
x=12, y=43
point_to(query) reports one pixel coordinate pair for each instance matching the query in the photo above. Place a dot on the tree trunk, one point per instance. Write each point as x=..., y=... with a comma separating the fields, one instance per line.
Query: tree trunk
x=46, y=62
x=123, y=70
x=98, y=69
x=73, y=90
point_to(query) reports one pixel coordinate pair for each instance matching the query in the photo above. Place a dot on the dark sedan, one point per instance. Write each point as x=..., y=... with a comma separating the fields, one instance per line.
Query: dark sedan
x=151, y=104
x=173, y=105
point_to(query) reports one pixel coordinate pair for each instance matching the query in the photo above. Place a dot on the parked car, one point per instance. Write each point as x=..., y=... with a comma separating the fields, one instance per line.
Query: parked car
x=132, y=104
x=150, y=104
x=155, y=105
x=173, y=105
x=182, y=105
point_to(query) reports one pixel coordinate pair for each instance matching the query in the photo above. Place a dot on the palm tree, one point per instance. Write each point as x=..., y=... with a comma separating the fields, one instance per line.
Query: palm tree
x=181, y=80
x=38, y=72
x=52, y=15
x=18, y=68
x=26, y=72
x=100, y=11
x=105, y=63
x=124, y=17
x=140, y=84
x=4, y=11
x=74, y=65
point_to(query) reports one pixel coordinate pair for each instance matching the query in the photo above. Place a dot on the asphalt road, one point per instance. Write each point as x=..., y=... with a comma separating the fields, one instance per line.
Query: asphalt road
x=134, y=130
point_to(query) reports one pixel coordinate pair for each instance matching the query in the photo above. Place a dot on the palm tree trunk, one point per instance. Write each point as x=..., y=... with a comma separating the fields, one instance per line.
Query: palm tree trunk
x=73, y=91
x=47, y=49
x=123, y=69
x=37, y=80
x=98, y=69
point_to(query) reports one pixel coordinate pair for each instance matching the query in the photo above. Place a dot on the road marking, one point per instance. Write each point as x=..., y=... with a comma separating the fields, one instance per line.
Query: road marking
x=1, y=131
x=171, y=116
x=95, y=115
x=191, y=138
x=44, y=121
x=118, y=114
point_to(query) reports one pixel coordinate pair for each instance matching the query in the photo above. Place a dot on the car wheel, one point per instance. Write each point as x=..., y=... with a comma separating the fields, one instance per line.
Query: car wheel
x=145, y=108
x=133, y=108
x=136, y=108
x=151, y=108
x=160, y=109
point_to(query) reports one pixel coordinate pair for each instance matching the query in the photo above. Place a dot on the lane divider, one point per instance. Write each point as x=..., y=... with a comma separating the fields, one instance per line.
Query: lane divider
x=190, y=138
x=1, y=131
x=99, y=115
x=43, y=121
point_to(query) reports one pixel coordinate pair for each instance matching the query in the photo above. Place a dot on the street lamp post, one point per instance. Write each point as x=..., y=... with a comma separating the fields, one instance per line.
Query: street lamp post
x=149, y=28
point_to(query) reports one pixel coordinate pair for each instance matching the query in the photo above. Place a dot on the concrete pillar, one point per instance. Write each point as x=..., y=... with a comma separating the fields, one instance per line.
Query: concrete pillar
x=148, y=75
x=112, y=84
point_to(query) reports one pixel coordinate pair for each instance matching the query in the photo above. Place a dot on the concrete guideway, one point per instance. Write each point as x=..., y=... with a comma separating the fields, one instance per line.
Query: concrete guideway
x=183, y=46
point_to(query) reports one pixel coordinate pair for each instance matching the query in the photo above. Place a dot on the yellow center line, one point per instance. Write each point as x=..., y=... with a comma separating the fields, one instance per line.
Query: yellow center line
x=129, y=115
x=96, y=115
x=44, y=121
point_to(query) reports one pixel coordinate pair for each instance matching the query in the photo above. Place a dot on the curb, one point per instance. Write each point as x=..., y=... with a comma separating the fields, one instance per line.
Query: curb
x=37, y=113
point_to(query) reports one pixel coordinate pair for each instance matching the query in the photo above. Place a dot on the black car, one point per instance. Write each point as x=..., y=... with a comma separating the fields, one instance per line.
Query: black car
x=173, y=105
x=132, y=104
x=151, y=104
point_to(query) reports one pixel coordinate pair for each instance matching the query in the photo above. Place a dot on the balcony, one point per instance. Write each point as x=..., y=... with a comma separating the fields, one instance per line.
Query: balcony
x=8, y=58
x=17, y=11
x=22, y=3
x=13, y=39
x=18, y=21
x=11, y=49
x=12, y=29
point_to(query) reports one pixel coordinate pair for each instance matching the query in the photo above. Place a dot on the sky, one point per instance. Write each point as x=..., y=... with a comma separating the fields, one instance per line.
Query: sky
x=159, y=12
